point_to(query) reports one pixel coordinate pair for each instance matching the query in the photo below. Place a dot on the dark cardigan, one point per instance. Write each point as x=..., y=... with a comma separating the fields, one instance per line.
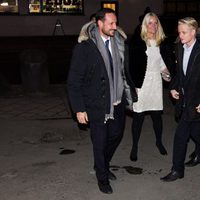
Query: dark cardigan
x=138, y=60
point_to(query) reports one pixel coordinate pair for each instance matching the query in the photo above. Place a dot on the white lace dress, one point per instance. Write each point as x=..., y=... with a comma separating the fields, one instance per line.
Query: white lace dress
x=150, y=95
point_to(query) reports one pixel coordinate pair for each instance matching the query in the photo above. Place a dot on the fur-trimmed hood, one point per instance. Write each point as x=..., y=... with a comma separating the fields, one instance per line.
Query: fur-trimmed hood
x=88, y=29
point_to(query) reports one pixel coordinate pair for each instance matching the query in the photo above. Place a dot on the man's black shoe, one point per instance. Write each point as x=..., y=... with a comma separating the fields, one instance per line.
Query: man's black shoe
x=172, y=176
x=111, y=176
x=193, y=162
x=105, y=187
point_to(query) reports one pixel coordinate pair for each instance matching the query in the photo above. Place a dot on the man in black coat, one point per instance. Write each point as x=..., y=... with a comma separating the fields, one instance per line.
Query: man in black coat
x=185, y=89
x=96, y=86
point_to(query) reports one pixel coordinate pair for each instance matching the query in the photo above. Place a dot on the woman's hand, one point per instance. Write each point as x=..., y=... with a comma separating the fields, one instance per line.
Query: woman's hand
x=166, y=75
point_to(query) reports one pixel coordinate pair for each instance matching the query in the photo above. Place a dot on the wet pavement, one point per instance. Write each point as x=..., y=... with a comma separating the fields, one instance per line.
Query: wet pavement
x=45, y=156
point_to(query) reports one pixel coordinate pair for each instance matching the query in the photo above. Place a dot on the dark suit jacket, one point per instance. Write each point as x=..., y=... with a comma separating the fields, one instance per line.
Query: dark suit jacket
x=188, y=86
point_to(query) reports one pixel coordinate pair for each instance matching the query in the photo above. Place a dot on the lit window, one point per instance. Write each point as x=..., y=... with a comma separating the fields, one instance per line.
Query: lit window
x=56, y=6
x=8, y=6
x=108, y=4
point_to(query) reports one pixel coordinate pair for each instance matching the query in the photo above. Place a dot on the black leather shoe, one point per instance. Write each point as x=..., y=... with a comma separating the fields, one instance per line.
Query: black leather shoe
x=193, y=162
x=111, y=176
x=172, y=176
x=105, y=187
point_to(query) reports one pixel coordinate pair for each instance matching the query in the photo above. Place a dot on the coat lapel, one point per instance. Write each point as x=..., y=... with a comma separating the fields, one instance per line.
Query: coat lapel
x=180, y=58
x=191, y=60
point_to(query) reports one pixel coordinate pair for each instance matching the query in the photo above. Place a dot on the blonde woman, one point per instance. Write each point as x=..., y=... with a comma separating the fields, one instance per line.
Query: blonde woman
x=147, y=67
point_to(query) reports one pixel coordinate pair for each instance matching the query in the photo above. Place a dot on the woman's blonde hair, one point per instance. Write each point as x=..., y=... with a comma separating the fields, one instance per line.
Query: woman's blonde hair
x=160, y=35
x=190, y=21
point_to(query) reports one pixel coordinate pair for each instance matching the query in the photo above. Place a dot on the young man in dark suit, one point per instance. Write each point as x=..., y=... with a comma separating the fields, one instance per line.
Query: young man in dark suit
x=185, y=89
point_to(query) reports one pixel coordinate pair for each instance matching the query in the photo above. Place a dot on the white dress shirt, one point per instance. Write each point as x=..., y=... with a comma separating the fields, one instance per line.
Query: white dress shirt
x=186, y=55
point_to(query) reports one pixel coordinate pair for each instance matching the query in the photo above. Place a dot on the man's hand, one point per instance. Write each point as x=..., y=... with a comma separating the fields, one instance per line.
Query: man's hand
x=198, y=108
x=82, y=117
x=174, y=94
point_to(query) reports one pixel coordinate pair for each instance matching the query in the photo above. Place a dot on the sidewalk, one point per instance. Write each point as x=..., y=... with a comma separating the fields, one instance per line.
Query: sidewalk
x=50, y=105
x=32, y=167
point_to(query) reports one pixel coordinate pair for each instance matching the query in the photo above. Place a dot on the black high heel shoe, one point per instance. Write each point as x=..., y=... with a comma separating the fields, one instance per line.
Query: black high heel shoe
x=161, y=148
x=133, y=154
x=192, y=155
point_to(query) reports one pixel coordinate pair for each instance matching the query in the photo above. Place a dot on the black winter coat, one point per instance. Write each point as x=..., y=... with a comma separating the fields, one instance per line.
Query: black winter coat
x=88, y=83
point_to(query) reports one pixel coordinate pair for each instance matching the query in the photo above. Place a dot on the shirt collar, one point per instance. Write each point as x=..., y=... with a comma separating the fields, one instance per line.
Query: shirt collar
x=190, y=47
x=104, y=39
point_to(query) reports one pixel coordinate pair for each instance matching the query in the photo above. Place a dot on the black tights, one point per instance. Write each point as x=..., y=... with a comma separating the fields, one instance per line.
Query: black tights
x=138, y=119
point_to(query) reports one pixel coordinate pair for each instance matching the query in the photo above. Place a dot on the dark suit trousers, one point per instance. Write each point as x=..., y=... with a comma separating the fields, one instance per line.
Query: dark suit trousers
x=184, y=131
x=105, y=138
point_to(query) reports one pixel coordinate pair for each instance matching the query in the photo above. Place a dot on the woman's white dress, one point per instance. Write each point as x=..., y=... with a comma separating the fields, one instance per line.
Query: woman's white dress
x=150, y=95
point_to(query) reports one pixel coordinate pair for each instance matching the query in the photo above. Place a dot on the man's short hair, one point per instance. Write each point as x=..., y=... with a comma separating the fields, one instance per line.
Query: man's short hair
x=100, y=15
x=190, y=21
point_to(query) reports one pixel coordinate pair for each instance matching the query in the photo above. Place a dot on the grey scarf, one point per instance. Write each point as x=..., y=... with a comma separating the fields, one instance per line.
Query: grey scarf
x=116, y=83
